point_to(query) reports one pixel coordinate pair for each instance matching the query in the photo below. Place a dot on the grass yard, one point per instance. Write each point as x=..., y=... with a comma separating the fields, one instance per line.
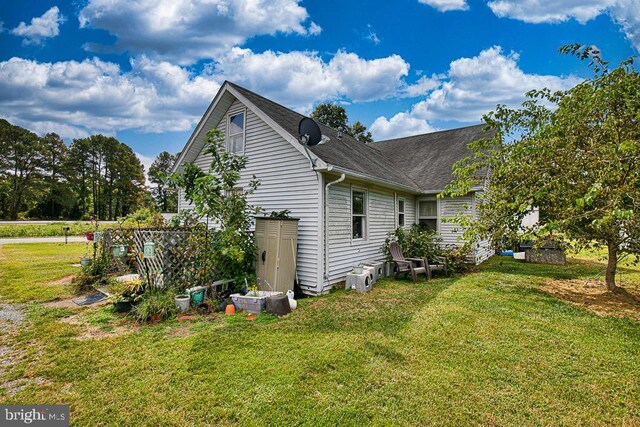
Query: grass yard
x=487, y=348
x=76, y=228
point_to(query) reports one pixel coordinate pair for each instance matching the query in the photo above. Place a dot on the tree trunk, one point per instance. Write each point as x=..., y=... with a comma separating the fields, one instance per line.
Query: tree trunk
x=612, y=265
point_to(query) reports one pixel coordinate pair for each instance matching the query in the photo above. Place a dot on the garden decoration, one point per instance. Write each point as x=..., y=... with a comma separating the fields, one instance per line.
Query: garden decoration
x=292, y=302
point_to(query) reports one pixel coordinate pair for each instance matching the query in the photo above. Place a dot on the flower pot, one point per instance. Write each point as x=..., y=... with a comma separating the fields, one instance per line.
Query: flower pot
x=122, y=306
x=230, y=309
x=358, y=269
x=85, y=262
x=182, y=302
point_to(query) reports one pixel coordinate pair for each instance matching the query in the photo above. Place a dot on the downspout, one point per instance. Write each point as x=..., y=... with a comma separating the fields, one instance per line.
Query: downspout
x=326, y=232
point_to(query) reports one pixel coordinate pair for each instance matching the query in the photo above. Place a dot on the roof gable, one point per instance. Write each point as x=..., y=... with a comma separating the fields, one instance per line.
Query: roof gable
x=420, y=163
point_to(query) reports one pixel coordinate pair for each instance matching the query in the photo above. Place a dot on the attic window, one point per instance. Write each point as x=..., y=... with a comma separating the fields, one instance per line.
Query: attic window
x=235, y=140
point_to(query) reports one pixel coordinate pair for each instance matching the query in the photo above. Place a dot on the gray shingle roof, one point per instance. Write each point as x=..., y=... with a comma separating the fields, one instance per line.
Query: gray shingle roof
x=421, y=162
x=428, y=158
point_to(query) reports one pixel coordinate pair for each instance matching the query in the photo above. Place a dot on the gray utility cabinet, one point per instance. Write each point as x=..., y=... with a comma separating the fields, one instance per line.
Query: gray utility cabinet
x=277, y=242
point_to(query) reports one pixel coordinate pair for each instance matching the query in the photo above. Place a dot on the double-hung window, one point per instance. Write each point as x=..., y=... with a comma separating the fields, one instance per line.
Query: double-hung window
x=428, y=213
x=358, y=214
x=235, y=139
x=401, y=204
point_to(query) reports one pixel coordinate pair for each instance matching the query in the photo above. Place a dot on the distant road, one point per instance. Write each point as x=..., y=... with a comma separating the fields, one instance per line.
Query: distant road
x=71, y=239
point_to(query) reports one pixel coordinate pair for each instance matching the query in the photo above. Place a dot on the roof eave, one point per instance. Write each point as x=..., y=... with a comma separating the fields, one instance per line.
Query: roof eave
x=359, y=175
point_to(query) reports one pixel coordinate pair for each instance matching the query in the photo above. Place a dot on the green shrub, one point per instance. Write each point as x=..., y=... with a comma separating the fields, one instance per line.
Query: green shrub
x=156, y=302
x=416, y=242
x=419, y=242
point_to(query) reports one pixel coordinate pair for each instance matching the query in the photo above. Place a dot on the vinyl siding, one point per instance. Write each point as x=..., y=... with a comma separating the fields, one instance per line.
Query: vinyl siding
x=452, y=233
x=344, y=252
x=286, y=182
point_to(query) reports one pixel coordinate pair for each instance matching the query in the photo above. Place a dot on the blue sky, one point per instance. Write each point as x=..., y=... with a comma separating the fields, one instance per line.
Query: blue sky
x=146, y=70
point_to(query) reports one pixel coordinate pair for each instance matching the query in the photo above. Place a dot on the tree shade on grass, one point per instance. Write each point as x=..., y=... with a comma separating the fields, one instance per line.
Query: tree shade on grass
x=484, y=348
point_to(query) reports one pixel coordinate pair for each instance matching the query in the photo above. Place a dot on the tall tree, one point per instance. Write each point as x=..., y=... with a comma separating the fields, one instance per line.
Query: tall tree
x=574, y=154
x=20, y=166
x=335, y=116
x=78, y=169
x=56, y=199
x=165, y=195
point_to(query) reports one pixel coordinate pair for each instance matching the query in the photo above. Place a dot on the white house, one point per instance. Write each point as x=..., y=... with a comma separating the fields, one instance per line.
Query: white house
x=347, y=195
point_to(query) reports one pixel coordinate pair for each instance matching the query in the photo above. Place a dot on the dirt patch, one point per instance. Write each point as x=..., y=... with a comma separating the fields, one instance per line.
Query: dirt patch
x=63, y=303
x=66, y=280
x=93, y=332
x=68, y=303
x=14, y=386
x=593, y=296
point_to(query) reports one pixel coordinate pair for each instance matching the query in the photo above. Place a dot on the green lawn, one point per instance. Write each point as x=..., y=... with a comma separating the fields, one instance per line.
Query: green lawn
x=76, y=228
x=486, y=348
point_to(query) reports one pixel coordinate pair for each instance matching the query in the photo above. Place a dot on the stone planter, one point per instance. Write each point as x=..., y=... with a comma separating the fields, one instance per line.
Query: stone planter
x=545, y=256
x=253, y=302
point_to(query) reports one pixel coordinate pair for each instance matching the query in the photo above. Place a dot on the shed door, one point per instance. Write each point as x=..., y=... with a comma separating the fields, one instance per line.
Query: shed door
x=271, y=248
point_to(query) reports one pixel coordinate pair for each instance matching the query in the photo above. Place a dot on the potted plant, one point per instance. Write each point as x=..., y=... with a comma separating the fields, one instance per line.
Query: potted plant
x=125, y=294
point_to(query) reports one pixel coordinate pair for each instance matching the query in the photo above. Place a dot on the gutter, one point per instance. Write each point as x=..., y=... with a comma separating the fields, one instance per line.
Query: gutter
x=383, y=182
x=326, y=232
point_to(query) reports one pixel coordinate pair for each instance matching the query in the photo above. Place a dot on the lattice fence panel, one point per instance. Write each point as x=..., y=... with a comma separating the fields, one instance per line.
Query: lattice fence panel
x=177, y=251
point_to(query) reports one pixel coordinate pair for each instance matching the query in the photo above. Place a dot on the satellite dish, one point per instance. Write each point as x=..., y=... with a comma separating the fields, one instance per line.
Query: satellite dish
x=309, y=132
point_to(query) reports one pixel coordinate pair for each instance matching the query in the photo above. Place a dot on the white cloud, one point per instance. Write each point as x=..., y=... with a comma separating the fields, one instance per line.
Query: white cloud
x=422, y=86
x=446, y=5
x=42, y=27
x=372, y=36
x=470, y=88
x=475, y=85
x=188, y=30
x=298, y=79
x=626, y=13
x=402, y=124
x=79, y=98
x=146, y=161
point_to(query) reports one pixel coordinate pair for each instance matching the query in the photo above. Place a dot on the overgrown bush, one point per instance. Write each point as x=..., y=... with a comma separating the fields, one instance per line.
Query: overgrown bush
x=156, y=302
x=419, y=242
x=416, y=242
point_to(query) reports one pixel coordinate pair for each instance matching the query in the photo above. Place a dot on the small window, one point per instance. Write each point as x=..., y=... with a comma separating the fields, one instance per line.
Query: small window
x=428, y=214
x=400, y=212
x=235, y=142
x=359, y=214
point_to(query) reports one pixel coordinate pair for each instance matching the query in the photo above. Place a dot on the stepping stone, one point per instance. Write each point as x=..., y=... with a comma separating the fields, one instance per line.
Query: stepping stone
x=89, y=299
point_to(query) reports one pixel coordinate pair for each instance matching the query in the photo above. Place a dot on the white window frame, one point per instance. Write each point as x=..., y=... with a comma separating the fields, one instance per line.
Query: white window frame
x=244, y=133
x=436, y=217
x=365, y=214
x=402, y=212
